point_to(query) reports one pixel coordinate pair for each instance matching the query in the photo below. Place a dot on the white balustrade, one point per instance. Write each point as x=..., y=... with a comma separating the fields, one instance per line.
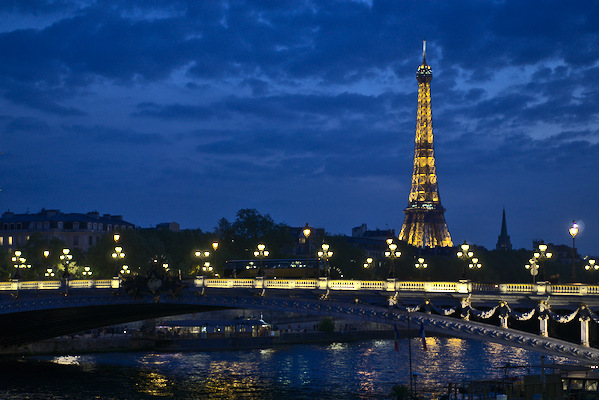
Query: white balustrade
x=390, y=285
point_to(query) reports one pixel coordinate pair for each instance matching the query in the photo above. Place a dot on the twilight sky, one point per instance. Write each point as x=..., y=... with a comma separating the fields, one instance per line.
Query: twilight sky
x=186, y=111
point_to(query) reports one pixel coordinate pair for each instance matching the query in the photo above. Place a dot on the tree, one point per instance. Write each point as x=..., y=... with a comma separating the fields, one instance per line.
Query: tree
x=347, y=259
x=326, y=325
x=251, y=228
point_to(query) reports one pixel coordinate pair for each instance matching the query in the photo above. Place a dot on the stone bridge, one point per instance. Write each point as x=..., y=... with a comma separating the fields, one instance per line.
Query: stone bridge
x=32, y=311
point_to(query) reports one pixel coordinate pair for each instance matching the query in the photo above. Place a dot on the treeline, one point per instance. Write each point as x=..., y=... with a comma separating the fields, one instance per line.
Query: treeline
x=238, y=239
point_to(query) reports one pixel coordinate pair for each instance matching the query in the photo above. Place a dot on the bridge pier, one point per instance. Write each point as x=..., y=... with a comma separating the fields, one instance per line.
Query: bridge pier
x=323, y=283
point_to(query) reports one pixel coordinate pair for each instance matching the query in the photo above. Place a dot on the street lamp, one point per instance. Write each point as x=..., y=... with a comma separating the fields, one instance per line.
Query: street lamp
x=541, y=255
x=205, y=254
x=66, y=258
x=420, y=266
x=87, y=271
x=573, y=232
x=392, y=254
x=307, y=233
x=19, y=264
x=474, y=265
x=368, y=262
x=261, y=253
x=533, y=267
x=117, y=255
x=591, y=266
x=325, y=254
x=207, y=267
x=465, y=255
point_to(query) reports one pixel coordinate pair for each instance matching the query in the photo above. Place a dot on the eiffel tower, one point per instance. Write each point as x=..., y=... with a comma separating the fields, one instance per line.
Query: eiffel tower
x=424, y=224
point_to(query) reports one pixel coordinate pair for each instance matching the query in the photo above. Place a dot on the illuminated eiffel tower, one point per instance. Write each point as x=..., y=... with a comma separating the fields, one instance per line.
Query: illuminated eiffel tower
x=424, y=224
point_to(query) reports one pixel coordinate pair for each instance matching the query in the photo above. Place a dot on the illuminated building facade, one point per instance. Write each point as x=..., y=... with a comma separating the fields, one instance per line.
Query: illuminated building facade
x=76, y=230
x=424, y=224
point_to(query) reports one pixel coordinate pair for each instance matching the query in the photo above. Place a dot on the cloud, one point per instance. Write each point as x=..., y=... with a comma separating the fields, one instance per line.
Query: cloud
x=27, y=124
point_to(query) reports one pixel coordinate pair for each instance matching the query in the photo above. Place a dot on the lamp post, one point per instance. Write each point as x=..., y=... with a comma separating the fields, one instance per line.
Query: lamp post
x=465, y=255
x=307, y=233
x=392, y=254
x=261, y=253
x=325, y=254
x=204, y=255
x=573, y=232
x=368, y=262
x=541, y=255
x=420, y=266
x=19, y=263
x=117, y=255
x=87, y=271
x=591, y=266
x=533, y=267
x=66, y=258
x=207, y=267
x=474, y=265
x=46, y=254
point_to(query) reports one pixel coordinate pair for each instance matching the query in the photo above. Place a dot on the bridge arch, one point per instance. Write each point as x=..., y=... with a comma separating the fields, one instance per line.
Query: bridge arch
x=31, y=315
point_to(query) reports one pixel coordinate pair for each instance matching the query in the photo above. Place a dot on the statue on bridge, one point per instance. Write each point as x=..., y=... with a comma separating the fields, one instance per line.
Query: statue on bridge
x=157, y=281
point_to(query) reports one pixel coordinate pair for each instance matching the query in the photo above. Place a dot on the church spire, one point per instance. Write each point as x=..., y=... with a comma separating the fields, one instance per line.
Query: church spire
x=503, y=241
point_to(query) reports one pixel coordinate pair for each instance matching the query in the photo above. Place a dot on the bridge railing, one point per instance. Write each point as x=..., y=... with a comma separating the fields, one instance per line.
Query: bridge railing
x=390, y=285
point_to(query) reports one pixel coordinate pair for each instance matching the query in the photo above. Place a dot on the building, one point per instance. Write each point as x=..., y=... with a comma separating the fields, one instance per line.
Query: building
x=307, y=246
x=503, y=240
x=76, y=230
x=373, y=242
x=424, y=224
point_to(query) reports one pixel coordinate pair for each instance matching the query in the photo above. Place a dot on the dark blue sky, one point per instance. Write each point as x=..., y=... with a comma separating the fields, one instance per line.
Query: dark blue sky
x=186, y=111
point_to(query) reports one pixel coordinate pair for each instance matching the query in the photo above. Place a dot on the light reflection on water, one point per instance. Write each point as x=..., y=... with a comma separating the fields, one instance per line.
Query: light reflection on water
x=360, y=370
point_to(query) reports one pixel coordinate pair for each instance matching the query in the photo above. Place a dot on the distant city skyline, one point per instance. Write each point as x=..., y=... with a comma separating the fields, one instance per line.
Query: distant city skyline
x=188, y=111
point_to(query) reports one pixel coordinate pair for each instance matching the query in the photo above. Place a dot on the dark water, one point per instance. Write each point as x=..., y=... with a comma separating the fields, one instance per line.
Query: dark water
x=359, y=370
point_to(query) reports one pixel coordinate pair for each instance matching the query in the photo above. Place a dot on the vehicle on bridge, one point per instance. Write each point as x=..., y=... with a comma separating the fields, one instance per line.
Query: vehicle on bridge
x=280, y=268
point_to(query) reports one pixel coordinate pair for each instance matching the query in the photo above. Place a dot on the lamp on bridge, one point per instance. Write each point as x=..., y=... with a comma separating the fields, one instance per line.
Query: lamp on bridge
x=474, y=265
x=533, y=267
x=66, y=258
x=392, y=254
x=465, y=255
x=420, y=266
x=368, y=262
x=261, y=253
x=19, y=264
x=48, y=269
x=325, y=254
x=87, y=271
x=204, y=255
x=541, y=255
x=592, y=267
x=573, y=232
x=118, y=255
x=307, y=231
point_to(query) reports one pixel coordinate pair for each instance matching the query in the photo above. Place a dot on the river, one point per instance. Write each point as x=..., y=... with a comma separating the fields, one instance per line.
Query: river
x=356, y=370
